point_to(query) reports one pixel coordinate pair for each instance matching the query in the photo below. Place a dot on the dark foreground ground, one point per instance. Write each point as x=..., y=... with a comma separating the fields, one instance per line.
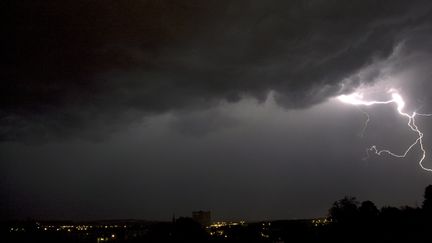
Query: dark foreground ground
x=186, y=230
x=348, y=221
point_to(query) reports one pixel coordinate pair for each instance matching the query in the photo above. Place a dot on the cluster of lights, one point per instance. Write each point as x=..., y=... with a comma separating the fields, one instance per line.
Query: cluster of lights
x=103, y=231
x=103, y=239
x=321, y=222
x=218, y=233
x=265, y=230
x=68, y=228
x=217, y=228
x=356, y=99
x=225, y=224
x=82, y=227
x=12, y=229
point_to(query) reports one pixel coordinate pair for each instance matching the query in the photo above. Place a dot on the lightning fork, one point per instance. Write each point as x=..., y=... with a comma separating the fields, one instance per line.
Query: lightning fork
x=356, y=99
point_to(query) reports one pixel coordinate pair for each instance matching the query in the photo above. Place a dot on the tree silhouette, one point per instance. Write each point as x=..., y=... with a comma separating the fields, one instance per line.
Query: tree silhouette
x=427, y=203
x=368, y=211
x=345, y=210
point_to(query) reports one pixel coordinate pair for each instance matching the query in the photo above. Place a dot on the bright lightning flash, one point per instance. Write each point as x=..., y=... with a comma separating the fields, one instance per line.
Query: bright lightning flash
x=356, y=99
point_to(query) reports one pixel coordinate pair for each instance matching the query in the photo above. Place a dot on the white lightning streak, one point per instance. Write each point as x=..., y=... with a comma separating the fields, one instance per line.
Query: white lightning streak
x=357, y=100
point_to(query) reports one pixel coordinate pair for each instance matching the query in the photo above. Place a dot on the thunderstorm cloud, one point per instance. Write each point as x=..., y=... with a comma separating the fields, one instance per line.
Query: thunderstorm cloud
x=85, y=68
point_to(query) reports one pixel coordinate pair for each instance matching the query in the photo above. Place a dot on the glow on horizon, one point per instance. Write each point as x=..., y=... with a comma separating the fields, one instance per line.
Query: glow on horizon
x=357, y=99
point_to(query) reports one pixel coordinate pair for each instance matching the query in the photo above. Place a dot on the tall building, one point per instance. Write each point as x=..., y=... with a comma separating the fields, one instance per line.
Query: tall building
x=202, y=217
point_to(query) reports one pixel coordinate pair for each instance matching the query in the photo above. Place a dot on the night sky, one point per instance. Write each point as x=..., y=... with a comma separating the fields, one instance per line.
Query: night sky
x=141, y=109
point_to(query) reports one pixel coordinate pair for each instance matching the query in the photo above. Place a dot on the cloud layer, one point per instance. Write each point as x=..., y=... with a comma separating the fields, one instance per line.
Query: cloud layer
x=95, y=66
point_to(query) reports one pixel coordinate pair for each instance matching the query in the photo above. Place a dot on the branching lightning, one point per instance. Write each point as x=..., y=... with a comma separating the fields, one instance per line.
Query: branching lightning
x=356, y=99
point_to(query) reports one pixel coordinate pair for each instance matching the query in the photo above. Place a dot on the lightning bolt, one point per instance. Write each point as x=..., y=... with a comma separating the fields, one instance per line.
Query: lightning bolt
x=356, y=99
x=366, y=123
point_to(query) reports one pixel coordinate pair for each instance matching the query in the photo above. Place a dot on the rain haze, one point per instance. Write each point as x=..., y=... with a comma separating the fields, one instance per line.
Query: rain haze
x=141, y=109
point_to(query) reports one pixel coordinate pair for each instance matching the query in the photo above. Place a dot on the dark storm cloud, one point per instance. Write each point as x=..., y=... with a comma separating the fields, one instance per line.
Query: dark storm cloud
x=92, y=65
